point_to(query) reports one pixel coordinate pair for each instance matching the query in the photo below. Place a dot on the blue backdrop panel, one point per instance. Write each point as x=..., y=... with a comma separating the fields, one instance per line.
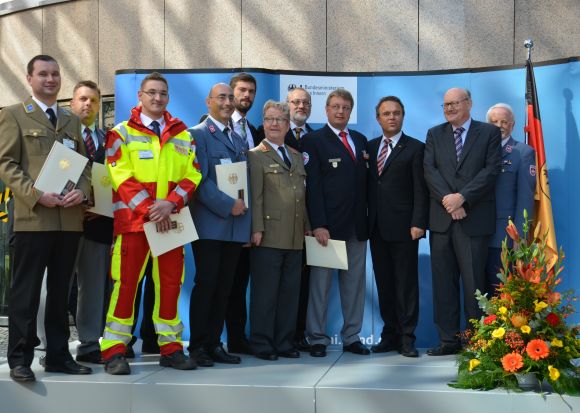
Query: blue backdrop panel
x=558, y=87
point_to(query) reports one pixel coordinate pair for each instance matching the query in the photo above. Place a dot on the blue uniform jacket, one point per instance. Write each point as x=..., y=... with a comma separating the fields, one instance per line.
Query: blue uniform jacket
x=211, y=208
x=514, y=188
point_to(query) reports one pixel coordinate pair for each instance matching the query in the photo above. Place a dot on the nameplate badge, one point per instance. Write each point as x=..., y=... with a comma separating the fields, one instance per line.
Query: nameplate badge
x=146, y=154
x=225, y=161
x=69, y=143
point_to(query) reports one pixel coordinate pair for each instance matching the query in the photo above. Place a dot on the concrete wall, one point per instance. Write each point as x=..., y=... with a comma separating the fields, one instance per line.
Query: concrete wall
x=93, y=38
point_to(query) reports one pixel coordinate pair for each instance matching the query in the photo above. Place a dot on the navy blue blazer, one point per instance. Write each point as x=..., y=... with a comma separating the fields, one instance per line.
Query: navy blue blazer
x=473, y=176
x=211, y=208
x=514, y=188
x=335, y=184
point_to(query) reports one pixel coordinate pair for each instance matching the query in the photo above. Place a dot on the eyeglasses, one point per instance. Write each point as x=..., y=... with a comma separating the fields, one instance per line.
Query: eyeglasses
x=453, y=105
x=272, y=120
x=152, y=93
x=223, y=98
x=344, y=108
x=297, y=102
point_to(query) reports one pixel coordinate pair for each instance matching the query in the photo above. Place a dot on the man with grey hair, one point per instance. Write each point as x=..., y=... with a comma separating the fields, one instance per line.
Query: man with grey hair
x=300, y=105
x=514, y=188
x=461, y=164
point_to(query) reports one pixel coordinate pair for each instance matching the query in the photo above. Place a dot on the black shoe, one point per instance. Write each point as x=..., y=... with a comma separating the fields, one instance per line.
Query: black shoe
x=178, y=361
x=201, y=357
x=219, y=355
x=267, y=356
x=444, y=350
x=92, y=357
x=384, y=347
x=129, y=353
x=409, y=350
x=68, y=367
x=150, y=347
x=302, y=345
x=242, y=347
x=117, y=365
x=318, y=350
x=290, y=354
x=22, y=374
x=357, y=348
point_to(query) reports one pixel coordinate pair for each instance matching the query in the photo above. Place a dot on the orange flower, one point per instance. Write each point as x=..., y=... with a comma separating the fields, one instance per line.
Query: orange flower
x=518, y=320
x=512, y=362
x=537, y=349
x=554, y=298
x=512, y=231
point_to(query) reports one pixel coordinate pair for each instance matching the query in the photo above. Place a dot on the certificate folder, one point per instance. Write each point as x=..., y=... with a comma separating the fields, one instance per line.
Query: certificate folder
x=232, y=179
x=102, y=190
x=61, y=170
x=331, y=256
x=182, y=232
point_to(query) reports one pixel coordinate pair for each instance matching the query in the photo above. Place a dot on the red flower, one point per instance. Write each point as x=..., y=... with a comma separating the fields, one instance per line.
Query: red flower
x=512, y=231
x=553, y=319
x=489, y=319
x=537, y=349
x=512, y=362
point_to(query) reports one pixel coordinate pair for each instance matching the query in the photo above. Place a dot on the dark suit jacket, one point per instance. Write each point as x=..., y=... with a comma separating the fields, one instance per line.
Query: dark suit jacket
x=335, y=184
x=99, y=229
x=473, y=176
x=398, y=198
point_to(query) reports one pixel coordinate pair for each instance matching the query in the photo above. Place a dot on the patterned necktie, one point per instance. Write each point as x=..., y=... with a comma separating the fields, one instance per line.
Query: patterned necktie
x=51, y=116
x=342, y=135
x=298, y=131
x=284, y=156
x=155, y=128
x=383, y=154
x=458, y=143
x=90, y=144
x=243, y=129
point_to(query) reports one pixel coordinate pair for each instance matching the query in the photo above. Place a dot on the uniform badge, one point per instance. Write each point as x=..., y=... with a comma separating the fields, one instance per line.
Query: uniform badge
x=181, y=149
x=334, y=162
x=533, y=170
x=211, y=128
x=29, y=108
x=508, y=148
x=365, y=155
x=305, y=157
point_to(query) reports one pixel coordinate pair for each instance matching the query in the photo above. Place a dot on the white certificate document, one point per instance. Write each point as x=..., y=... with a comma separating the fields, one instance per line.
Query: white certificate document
x=331, y=256
x=61, y=170
x=182, y=232
x=232, y=179
x=102, y=190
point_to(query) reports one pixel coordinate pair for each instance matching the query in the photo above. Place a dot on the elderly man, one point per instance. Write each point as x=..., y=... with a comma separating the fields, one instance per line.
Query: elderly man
x=335, y=161
x=461, y=163
x=223, y=226
x=514, y=189
x=47, y=226
x=279, y=222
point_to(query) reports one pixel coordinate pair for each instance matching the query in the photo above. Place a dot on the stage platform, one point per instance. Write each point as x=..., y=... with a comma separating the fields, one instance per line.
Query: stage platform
x=339, y=383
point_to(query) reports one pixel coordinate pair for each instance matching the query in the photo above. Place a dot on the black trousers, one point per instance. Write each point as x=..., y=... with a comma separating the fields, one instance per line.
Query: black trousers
x=33, y=252
x=237, y=311
x=456, y=256
x=215, y=267
x=303, y=299
x=397, y=277
x=492, y=267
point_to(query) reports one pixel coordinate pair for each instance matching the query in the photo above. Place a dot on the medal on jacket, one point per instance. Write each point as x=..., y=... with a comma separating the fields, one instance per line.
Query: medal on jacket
x=334, y=162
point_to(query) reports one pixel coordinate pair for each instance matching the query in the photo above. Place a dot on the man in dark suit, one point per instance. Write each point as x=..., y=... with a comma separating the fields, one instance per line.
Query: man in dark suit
x=223, y=226
x=514, y=189
x=336, y=166
x=244, y=86
x=47, y=225
x=462, y=161
x=398, y=208
x=300, y=105
x=93, y=257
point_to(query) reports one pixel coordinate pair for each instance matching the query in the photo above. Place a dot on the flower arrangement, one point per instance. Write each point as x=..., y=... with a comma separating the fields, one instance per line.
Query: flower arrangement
x=524, y=328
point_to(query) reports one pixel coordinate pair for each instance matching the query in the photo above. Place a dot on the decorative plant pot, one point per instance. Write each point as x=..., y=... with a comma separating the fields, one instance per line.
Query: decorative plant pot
x=528, y=381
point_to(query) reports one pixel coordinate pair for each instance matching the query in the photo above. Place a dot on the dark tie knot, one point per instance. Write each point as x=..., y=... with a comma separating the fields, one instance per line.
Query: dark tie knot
x=298, y=130
x=156, y=128
x=459, y=131
x=226, y=130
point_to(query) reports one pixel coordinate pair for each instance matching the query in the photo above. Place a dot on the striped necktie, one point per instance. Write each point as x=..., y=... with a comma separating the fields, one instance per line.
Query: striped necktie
x=458, y=143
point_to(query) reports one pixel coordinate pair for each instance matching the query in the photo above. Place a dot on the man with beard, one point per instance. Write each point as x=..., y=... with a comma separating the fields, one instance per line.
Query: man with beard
x=244, y=87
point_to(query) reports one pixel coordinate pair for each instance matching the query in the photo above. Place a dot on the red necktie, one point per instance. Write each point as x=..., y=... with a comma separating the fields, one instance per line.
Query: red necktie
x=90, y=144
x=383, y=155
x=342, y=135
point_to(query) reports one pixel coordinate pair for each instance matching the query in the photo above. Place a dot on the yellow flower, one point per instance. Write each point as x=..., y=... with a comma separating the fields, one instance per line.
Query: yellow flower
x=503, y=310
x=526, y=329
x=554, y=373
x=557, y=343
x=473, y=363
x=498, y=332
x=539, y=306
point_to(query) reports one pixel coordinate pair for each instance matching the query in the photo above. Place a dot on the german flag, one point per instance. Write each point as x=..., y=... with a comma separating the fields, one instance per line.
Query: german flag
x=543, y=202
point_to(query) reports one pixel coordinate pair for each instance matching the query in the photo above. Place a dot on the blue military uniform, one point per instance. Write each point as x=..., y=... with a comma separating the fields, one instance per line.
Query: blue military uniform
x=514, y=192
